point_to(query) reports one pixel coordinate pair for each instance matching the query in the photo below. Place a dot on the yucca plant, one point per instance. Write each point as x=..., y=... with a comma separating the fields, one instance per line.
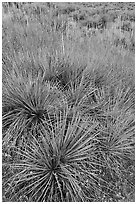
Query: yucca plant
x=79, y=90
x=56, y=165
x=28, y=101
x=116, y=144
x=88, y=99
x=106, y=103
x=116, y=104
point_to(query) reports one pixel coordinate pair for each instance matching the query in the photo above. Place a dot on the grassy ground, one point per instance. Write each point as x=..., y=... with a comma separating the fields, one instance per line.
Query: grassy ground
x=68, y=102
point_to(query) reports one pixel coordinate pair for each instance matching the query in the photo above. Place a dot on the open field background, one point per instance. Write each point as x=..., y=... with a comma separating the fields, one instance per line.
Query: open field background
x=68, y=102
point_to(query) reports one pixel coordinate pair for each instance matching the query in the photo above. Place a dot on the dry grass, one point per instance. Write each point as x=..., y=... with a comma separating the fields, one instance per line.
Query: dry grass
x=68, y=109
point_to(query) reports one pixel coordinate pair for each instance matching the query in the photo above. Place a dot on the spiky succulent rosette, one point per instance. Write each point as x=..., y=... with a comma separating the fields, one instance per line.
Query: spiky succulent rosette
x=57, y=165
x=115, y=144
x=28, y=102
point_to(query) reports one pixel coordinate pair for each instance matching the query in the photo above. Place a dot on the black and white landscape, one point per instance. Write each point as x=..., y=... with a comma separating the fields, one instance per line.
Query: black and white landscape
x=68, y=102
